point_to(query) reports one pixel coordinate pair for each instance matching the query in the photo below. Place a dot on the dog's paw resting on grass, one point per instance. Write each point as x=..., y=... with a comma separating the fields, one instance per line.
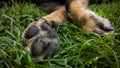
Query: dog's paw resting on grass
x=40, y=40
x=78, y=11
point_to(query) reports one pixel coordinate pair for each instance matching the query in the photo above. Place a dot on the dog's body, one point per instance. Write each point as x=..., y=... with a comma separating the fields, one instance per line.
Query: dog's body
x=40, y=39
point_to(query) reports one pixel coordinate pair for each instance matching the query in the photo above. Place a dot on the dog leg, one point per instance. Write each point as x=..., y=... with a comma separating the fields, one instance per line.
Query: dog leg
x=40, y=39
x=78, y=11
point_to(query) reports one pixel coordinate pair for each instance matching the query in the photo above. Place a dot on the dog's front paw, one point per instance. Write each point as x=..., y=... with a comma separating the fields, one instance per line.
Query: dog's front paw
x=40, y=40
x=99, y=25
x=103, y=27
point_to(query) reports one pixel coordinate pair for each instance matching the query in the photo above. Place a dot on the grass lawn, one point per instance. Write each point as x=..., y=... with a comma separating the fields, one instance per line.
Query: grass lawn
x=78, y=48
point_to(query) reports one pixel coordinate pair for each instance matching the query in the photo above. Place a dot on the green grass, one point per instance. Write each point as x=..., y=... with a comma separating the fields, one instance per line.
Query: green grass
x=78, y=48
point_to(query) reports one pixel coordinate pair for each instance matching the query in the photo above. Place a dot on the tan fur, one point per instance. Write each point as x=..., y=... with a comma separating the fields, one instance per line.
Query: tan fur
x=84, y=17
x=58, y=16
x=78, y=12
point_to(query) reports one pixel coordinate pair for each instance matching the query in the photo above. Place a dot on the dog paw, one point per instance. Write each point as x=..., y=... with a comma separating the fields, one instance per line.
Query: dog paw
x=99, y=25
x=103, y=27
x=40, y=40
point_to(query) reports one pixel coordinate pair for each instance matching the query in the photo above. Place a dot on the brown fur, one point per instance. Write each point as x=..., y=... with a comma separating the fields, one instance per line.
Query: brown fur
x=86, y=18
x=76, y=10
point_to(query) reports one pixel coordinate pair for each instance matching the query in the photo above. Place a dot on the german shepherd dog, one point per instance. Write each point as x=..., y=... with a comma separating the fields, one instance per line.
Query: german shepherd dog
x=39, y=38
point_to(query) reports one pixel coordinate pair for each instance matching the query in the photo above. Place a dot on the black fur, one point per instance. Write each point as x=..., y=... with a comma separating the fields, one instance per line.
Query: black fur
x=67, y=4
x=51, y=34
x=46, y=27
x=54, y=24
